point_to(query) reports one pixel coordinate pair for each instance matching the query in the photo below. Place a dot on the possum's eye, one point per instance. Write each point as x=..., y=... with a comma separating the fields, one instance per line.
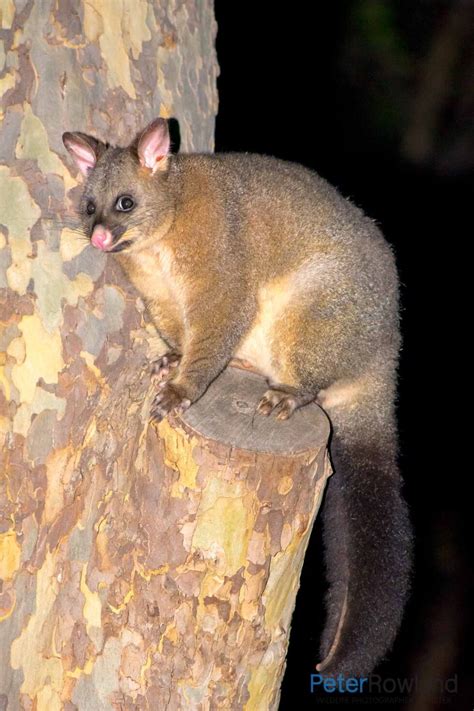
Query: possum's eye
x=90, y=208
x=124, y=203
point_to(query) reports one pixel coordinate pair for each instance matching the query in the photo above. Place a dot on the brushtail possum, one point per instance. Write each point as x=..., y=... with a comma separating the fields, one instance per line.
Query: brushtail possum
x=246, y=256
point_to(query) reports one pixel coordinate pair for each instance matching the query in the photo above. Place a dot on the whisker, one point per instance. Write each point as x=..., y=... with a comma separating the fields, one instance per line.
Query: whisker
x=64, y=222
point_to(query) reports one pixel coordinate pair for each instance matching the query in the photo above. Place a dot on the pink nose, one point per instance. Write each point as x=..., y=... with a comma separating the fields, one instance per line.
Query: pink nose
x=102, y=238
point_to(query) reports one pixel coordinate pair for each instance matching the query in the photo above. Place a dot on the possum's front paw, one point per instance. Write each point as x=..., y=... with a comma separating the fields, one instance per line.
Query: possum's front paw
x=162, y=367
x=170, y=399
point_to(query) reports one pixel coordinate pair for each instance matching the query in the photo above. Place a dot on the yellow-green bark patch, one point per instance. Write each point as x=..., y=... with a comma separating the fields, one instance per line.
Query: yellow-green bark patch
x=104, y=22
x=92, y=606
x=225, y=508
x=70, y=244
x=179, y=456
x=52, y=286
x=10, y=553
x=43, y=357
x=7, y=82
x=33, y=650
x=18, y=213
x=33, y=143
x=42, y=400
x=7, y=13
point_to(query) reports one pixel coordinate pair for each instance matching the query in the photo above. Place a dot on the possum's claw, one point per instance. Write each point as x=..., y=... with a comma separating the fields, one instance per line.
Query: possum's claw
x=282, y=403
x=161, y=367
x=276, y=401
x=169, y=399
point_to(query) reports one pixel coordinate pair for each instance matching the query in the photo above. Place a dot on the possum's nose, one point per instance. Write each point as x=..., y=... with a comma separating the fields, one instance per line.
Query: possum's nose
x=102, y=238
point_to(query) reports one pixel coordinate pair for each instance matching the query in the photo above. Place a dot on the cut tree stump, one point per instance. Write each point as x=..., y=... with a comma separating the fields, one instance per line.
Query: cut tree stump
x=252, y=486
x=163, y=571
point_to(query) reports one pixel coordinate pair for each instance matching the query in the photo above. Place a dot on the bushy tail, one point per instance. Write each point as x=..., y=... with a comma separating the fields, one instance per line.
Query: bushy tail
x=368, y=542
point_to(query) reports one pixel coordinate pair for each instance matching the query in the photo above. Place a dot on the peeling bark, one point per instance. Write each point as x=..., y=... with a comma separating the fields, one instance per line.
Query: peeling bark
x=140, y=568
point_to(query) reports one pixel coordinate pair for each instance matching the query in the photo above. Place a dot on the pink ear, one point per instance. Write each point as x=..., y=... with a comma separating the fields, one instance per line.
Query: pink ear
x=84, y=150
x=154, y=146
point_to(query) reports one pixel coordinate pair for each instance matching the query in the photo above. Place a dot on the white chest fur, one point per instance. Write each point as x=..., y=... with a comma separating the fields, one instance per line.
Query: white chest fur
x=259, y=347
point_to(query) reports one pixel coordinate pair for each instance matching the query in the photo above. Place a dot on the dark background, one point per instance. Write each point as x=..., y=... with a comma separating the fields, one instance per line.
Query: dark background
x=378, y=97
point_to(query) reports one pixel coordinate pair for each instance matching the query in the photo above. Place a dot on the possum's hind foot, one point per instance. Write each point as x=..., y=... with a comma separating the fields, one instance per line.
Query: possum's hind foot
x=282, y=402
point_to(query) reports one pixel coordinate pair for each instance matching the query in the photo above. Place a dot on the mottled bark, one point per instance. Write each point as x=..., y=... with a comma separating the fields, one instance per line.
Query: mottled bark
x=141, y=568
x=72, y=335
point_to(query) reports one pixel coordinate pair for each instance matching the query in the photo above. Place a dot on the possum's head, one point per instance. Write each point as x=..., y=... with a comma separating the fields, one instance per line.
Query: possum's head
x=126, y=197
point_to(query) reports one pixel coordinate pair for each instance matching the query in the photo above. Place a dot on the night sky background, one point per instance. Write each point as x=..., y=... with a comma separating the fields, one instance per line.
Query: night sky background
x=378, y=97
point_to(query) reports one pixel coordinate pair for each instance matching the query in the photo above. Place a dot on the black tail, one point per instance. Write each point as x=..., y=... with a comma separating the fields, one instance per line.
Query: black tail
x=368, y=543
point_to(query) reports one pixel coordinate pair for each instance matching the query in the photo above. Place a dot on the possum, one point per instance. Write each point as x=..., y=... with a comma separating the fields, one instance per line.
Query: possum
x=249, y=257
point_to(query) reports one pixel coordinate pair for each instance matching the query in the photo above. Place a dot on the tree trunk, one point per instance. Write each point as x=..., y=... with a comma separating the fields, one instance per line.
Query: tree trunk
x=141, y=567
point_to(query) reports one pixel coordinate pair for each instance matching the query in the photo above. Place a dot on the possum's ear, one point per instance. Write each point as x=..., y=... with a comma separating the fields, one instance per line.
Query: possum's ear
x=153, y=146
x=84, y=149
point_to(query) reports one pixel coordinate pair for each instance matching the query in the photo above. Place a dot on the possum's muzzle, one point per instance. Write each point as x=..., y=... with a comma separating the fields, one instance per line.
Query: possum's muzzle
x=107, y=240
